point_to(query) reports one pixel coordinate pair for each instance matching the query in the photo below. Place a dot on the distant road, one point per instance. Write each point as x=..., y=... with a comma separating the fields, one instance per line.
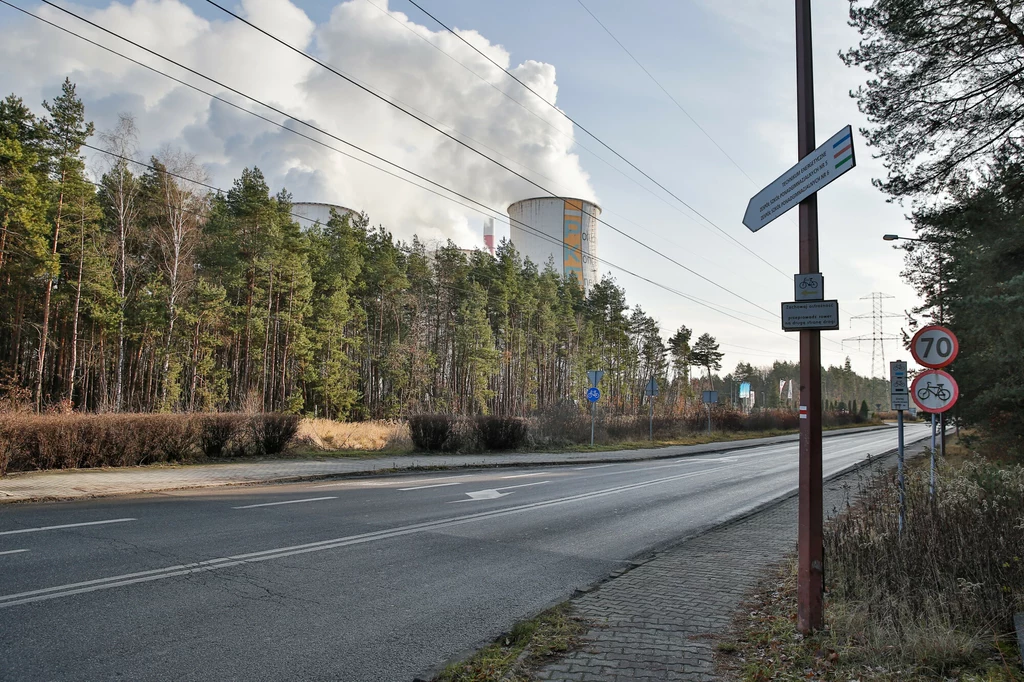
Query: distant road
x=376, y=579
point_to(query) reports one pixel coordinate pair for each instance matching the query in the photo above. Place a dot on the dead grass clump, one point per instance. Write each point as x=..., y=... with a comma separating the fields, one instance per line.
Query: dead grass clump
x=327, y=434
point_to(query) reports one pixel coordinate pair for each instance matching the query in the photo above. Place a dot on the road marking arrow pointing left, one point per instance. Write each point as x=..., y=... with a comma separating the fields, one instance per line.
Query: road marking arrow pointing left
x=495, y=493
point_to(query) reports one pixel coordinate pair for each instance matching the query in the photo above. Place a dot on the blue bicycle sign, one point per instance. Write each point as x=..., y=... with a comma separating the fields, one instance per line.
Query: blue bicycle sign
x=593, y=394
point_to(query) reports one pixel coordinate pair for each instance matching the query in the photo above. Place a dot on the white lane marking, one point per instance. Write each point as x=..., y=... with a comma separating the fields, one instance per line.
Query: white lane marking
x=596, y=466
x=536, y=473
x=434, y=485
x=13, y=551
x=66, y=525
x=494, y=493
x=282, y=552
x=274, y=504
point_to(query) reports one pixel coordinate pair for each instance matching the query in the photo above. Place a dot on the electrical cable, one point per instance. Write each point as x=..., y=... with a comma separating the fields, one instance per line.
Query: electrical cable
x=592, y=135
x=569, y=137
x=487, y=208
x=461, y=143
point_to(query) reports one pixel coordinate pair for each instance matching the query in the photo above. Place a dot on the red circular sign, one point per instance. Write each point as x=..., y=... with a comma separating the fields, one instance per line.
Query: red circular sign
x=934, y=391
x=934, y=346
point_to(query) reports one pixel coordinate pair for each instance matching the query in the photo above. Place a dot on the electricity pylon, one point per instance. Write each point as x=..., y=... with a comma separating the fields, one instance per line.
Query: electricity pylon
x=878, y=336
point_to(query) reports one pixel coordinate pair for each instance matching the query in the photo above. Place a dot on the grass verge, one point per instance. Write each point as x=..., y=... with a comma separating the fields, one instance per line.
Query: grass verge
x=931, y=602
x=764, y=645
x=530, y=644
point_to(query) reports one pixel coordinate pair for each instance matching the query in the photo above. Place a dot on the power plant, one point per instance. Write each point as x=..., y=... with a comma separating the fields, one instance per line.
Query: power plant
x=561, y=229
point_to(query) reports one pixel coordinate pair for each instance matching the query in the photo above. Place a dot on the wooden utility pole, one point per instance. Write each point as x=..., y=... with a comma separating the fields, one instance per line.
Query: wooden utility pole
x=810, y=567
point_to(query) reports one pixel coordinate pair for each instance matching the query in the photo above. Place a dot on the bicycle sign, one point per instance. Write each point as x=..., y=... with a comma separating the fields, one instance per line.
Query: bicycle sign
x=593, y=394
x=809, y=287
x=934, y=391
x=934, y=346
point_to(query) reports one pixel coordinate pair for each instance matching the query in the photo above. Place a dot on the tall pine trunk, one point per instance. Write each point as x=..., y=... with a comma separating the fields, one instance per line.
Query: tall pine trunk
x=47, y=293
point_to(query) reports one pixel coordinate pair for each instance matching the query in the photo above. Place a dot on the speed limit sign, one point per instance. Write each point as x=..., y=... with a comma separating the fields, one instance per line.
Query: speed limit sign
x=934, y=346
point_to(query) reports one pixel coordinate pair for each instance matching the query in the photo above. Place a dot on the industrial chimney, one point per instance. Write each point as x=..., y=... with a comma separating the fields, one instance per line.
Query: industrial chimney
x=489, y=235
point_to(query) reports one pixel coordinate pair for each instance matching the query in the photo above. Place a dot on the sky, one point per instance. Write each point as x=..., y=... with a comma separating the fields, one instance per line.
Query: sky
x=730, y=67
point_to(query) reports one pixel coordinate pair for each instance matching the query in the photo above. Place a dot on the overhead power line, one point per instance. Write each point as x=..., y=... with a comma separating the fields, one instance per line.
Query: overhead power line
x=595, y=137
x=476, y=151
x=556, y=129
x=487, y=210
x=667, y=93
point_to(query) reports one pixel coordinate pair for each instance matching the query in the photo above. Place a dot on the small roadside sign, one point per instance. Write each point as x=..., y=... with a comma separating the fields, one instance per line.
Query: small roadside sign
x=899, y=391
x=801, y=315
x=709, y=397
x=593, y=394
x=809, y=287
x=934, y=346
x=652, y=388
x=595, y=376
x=810, y=174
x=934, y=391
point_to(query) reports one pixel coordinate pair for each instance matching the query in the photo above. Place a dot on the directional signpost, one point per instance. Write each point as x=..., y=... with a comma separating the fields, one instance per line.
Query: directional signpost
x=810, y=174
x=593, y=395
x=709, y=398
x=817, y=167
x=934, y=391
x=651, y=391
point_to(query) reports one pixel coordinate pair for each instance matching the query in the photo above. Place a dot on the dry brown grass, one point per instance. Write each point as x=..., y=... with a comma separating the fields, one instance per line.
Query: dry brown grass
x=327, y=434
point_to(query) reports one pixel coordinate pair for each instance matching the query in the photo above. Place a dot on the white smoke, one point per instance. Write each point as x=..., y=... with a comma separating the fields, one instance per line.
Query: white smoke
x=386, y=51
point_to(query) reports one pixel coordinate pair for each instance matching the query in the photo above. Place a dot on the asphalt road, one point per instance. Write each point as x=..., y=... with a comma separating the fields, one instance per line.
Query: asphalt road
x=379, y=578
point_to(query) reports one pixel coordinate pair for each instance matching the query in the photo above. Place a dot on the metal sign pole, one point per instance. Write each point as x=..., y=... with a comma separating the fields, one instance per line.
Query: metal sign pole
x=592, y=424
x=810, y=560
x=931, y=482
x=652, y=418
x=899, y=466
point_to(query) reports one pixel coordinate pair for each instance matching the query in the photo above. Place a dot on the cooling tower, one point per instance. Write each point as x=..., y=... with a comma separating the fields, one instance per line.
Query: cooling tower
x=561, y=229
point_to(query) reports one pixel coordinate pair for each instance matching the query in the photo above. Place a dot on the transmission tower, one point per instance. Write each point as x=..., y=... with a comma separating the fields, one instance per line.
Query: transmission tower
x=878, y=336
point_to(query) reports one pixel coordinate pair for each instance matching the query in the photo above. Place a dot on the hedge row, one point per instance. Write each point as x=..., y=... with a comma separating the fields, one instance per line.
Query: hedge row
x=31, y=442
x=445, y=433
x=569, y=426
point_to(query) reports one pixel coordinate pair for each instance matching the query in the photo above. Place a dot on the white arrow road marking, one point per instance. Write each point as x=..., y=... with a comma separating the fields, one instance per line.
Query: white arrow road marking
x=13, y=551
x=274, y=504
x=493, y=493
x=44, y=594
x=66, y=525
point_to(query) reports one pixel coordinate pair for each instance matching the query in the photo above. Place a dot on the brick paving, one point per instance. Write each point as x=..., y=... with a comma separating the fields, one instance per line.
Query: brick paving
x=83, y=483
x=659, y=621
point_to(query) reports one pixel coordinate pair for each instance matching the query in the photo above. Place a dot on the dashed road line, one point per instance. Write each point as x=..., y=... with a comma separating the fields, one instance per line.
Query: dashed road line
x=274, y=504
x=63, y=526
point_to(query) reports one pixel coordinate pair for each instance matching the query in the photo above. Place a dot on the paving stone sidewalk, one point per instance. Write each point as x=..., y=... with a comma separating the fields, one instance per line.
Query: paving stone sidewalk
x=659, y=621
x=83, y=483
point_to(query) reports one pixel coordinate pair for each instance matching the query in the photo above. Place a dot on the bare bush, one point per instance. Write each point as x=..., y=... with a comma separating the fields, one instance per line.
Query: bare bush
x=64, y=441
x=959, y=561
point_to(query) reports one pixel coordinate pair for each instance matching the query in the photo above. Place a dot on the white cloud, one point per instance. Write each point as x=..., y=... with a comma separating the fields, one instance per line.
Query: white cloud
x=390, y=54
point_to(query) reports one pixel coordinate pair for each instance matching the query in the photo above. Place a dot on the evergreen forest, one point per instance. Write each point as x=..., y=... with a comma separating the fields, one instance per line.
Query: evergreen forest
x=137, y=287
